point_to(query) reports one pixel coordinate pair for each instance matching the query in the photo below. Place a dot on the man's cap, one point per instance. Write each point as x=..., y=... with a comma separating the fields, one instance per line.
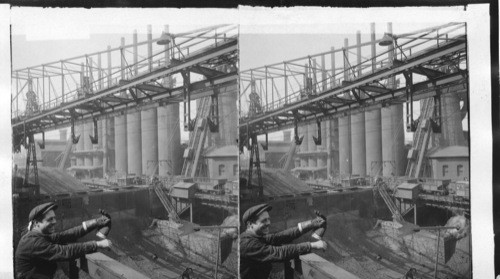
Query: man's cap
x=41, y=209
x=255, y=211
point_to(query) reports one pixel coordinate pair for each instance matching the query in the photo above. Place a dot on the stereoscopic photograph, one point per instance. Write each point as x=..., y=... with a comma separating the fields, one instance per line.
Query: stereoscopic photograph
x=247, y=143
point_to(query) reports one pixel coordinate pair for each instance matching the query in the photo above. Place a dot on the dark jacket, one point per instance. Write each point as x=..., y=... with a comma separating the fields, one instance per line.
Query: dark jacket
x=258, y=252
x=37, y=253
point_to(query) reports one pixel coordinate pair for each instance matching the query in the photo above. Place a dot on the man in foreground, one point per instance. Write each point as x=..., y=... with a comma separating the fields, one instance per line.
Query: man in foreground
x=259, y=249
x=41, y=247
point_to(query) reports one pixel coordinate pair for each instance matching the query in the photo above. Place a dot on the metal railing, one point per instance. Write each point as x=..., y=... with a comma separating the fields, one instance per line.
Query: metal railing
x=67, y=80
x=282, y=84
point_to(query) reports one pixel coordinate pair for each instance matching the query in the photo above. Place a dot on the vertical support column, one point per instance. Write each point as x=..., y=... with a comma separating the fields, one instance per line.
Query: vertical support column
x=149, y=139
x=373, y=126
x=87, y=131
x=332, y=133
x=329, y=151
x=91, y=76
x=334, y=149
x=121, y=145
x=98, y=156
x=150, y=48
x=229, y=112
x=392, y=130
x=99, y=71
x=82, y=76
x=345, y=54
x=313, y=127
x=345, y=126
x=373, y=46
x=134, y=157
x=303, y=129
x=104, y=143
x=452, y=132
x=110, y=79
x=358, y=147
x=121, y=150
x=123, y=62
x=286, y=82
x=149, y=121
x=344, y=146
x=136, y=66
x=42, y=105
x=312, y=130
x=325, y=124
x=62, y=83
x=80, y=145
x=169, y=134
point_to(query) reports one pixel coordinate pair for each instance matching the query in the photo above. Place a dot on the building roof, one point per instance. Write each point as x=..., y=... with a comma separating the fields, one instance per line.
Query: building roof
x=408, y=186
x=225, y=151
x=308, y=168
x=450, y=152
x=184, y=185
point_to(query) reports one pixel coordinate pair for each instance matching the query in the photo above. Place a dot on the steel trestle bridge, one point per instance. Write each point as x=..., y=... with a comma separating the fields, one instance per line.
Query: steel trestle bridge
x=279, y=96
x=205, y=60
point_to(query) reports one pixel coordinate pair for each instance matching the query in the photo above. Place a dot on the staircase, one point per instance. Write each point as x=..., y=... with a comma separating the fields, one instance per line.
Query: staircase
x=420, y=140
x=197, y=140
x=389, y=202
x=172, y=213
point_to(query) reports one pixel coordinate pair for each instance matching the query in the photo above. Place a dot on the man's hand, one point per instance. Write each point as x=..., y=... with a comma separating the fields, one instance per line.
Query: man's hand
x=105, y=243
x=319, y=245
x=102, y=221
x=98, y=223
x=312, y=224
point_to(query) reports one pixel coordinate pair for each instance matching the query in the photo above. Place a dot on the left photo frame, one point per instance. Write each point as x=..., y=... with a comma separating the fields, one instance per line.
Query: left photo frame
x=125, y=156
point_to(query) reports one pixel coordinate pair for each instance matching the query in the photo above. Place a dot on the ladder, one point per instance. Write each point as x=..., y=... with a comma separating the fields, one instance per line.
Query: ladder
x=197, y=140
x=172, y=213
x=288, y=157
x=420, y=140
x=389, y=202
x=254, y=150
x=29, y=161
x=65, y=154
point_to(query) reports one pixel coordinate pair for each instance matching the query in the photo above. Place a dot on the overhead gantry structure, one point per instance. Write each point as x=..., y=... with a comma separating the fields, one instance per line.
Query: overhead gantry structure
x=91, y=87
x=311, y=89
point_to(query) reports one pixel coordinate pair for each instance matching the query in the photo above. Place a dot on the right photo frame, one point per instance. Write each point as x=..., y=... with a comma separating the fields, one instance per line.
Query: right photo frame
x=355, y=151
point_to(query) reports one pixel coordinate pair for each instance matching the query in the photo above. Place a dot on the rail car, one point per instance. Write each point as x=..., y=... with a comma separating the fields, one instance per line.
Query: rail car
x=460, y=190
x=436, y=186
x=209, y=188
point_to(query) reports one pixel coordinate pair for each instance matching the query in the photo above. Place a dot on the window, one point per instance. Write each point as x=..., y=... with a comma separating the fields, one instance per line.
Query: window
x=460, y=170
x=235, y=170
x=445, y=170
x=222, y=170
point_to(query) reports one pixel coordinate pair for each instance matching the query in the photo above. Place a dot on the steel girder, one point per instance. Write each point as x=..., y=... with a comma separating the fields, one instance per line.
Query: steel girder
x=338, y=101
x=111, y=101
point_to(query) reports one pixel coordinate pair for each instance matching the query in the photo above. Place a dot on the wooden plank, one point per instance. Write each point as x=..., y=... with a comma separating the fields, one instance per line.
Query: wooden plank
x=104, y=267
x=316, y=267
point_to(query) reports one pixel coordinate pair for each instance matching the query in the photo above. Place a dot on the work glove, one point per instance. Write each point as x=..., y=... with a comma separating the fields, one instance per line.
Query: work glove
x=319, y=232
x=312, y=224
x=102, y=221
